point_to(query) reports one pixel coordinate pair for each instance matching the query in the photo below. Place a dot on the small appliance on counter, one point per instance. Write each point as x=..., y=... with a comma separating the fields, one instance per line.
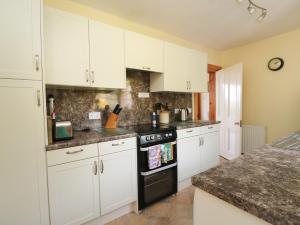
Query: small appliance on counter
x=62, y=130
x=184, y=114
x=164, y=117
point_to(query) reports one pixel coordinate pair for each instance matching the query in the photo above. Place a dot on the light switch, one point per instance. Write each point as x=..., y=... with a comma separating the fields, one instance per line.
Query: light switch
x=94, y=116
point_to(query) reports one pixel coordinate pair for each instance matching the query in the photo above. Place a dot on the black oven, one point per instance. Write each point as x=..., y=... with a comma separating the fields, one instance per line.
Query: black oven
x=157, y=165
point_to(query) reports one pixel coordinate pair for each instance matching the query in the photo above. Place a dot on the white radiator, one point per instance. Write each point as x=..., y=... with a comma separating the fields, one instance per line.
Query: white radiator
x=253, y=137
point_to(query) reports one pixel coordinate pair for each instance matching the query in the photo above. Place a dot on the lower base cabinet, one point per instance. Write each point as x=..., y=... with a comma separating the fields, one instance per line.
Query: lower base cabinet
x=210, y=150
x=74, y=192
x=118, y=180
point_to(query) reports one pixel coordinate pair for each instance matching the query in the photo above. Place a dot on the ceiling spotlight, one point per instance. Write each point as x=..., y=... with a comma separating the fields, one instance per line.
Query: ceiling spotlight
x=262, y=15
x=252, y=8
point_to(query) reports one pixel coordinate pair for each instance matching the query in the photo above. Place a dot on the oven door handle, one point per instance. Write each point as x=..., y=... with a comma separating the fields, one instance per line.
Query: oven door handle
x=159, y=169
x=145, y=149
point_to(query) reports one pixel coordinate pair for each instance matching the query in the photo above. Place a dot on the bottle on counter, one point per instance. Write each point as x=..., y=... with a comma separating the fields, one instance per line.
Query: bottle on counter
x=153, y=119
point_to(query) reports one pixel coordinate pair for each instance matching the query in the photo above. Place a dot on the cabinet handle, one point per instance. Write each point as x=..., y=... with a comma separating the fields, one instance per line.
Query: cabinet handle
x=74, y=152
x=38, y=97
x=95, y=167
x=87, y=76
x=199, y=141
x=37, y=62
x=93, y=76
x=189, y=131
x=187, y=85
x=117, y=144
x=202, y=141
x=146, y=68
x=190, y=85
x=210, y=127
x=102, y=166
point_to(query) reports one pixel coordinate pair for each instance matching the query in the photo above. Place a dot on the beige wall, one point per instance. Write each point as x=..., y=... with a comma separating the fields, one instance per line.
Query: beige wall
x=67, y=5
x=270, y=98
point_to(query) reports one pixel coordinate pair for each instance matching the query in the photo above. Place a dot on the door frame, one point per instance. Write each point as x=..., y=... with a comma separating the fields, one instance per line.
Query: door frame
x=211, y=69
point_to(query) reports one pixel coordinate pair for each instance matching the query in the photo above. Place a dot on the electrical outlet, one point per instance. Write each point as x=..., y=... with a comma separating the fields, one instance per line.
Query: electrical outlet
x=94, y=116
x=143, y=95
x=190, y=110
x=176, y=111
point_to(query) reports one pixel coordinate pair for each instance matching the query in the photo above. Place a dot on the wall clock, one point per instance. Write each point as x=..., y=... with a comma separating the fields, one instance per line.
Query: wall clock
x=275, y=64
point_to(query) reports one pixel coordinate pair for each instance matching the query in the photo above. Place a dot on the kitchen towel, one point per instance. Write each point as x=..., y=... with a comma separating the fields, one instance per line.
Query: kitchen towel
x=154, y=157
x=166, y=152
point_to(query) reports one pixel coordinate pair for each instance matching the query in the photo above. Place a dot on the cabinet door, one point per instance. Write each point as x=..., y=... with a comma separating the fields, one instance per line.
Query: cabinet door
x=188, y=156
x=107, y=56
x=210, y=150
x=144, y=53
x=74, y=192
x=118, y=180
x=197, y=76
x=23, y=189
x=66, y=48
x=20, y=45
x=175, y=68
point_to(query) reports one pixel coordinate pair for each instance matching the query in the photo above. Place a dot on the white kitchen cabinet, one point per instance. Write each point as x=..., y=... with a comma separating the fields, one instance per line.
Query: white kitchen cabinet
x=185, y=71
x=107, y=56
x=20, y=44
x=66, y=41
x=197, y=76
x=23, y=189
x=188, y=156
x=143, y=52
x=118, y=180
x=74, y=192
x=210, y=150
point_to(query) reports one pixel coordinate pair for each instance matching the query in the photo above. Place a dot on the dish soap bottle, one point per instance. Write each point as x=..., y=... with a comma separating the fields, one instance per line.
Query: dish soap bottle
x=153, y=119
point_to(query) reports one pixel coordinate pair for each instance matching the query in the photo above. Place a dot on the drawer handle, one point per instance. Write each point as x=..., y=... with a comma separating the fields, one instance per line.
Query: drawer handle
x=95, y=167
x=69, y=153
x=210, y=127
x=189, y=131
x=117, y=144
x=146, y=68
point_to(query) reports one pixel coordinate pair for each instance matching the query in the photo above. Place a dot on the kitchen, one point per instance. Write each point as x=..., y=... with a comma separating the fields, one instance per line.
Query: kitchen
x=109, y=129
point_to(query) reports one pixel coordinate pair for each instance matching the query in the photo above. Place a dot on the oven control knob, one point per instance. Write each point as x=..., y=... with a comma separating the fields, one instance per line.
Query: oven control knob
x=147, y=138
x=152, y=138
x=170, y=134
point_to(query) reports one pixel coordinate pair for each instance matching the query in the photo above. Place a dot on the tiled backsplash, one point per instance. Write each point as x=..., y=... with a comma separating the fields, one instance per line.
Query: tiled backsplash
x=74, y=104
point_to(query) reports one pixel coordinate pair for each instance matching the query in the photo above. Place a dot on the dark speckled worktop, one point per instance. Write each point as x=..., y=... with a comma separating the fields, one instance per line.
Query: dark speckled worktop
x=264, y=182
x=84, y=138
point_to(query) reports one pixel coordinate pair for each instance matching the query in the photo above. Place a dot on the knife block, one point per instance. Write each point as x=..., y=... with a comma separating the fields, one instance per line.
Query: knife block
x=111, y=122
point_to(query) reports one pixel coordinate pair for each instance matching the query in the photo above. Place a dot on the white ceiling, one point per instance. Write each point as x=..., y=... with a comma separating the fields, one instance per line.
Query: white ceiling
x=217, y=24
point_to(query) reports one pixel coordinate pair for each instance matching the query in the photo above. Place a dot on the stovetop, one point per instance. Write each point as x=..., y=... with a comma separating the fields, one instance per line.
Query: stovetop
x=143, y=129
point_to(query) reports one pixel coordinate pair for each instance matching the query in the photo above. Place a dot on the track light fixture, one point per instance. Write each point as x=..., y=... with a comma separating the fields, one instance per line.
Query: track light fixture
x=252, y=8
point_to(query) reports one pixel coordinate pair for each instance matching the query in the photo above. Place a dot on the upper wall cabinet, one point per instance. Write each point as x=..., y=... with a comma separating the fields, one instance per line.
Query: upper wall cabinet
x=144, y=53
x=107, y=56
x=20, y=44
x=66, y=48
x=185, y=71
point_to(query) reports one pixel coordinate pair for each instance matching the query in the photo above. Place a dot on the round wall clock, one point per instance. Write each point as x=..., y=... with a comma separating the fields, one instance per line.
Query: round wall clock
x=275, y=64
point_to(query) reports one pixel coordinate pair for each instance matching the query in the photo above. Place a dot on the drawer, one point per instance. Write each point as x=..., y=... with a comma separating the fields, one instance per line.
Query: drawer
x=66, y=155
x=109, y=147
x=209, y=128
x=190, y=132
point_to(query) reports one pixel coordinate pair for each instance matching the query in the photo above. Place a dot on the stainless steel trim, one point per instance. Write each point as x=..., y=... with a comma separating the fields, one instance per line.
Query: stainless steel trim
x=74, y=152
x=158, y=170
x=95, y=167
x=37, y=62
x=102, y=166
x=38, y=93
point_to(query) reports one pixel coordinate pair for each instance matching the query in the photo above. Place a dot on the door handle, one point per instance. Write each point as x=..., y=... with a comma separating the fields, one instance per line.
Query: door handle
x=102, y=166
x=95, y=168
x=238, y=123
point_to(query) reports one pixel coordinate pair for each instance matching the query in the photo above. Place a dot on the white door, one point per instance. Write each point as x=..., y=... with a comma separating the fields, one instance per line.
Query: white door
x=175, y=68
x=143, y=52
x=74, y=192
x=229, y=109
x=118, y=180
x=23, y=188
x=188, y=156
x=66, y=41
x=210, y=150
x=20, y=42
x=107, y=56
x=197, y=76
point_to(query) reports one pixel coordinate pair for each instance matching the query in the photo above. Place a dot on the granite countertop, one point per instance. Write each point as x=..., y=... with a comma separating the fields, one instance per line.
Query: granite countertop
x=91, y=137
x=264, y=182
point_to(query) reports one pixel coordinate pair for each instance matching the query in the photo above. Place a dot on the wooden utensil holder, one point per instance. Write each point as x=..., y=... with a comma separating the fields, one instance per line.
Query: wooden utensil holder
x=111, y=121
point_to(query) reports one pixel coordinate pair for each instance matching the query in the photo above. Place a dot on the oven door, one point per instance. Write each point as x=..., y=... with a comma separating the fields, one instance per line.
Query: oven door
x=157, y=184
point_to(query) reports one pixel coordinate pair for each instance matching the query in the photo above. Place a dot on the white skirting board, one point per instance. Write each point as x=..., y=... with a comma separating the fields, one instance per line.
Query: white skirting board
x=253, y=137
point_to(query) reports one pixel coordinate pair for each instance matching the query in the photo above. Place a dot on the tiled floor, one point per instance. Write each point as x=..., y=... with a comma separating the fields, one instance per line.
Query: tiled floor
x=175, y=210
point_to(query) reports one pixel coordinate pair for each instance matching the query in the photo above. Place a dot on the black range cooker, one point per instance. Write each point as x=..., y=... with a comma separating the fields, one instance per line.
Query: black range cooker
x=157, y=163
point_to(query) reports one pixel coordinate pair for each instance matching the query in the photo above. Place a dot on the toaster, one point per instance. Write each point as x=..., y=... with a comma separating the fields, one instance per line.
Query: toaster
x=62, y=130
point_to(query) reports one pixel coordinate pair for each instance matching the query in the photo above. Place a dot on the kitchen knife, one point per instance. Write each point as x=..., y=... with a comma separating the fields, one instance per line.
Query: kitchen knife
x=119, y=110
x=116, y=108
